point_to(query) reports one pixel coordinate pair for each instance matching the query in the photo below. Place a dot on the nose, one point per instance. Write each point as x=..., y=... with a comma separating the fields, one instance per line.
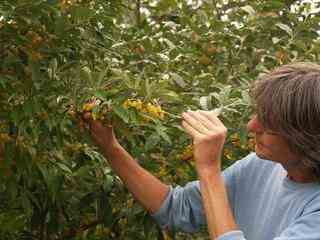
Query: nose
x=254, y=125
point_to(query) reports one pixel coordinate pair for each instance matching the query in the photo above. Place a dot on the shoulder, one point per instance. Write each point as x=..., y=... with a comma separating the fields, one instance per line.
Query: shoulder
x=252, y=161
x=313, y=202
x=251, y=167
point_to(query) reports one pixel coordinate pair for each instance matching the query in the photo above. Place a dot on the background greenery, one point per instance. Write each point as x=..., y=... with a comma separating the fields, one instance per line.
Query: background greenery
x=146, y=62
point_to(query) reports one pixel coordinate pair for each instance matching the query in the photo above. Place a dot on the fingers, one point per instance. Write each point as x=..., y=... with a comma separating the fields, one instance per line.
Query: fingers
x=193, y=121
x=87, y=117
x=91, y=123
x=212, y=116
x=207, y=122
x=203, y=121
x=190, y=130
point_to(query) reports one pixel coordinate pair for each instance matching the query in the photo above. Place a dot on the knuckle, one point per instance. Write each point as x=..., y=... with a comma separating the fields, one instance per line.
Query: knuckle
x=221, y=132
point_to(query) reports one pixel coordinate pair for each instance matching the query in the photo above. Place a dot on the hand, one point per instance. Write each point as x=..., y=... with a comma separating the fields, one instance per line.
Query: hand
x=209, y=135
x=103, y=136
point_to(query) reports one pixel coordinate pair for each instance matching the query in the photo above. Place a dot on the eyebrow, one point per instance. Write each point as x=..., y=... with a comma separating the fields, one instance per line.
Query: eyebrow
x=271, y=132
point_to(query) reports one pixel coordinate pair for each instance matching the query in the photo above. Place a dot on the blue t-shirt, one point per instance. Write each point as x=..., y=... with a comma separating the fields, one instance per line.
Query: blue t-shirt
x=266, y=205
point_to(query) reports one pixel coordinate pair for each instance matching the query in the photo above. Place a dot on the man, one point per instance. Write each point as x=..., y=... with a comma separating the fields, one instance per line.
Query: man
x=271, y=194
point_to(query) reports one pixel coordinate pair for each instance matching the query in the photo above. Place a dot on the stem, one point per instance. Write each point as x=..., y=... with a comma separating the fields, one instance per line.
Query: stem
x=42, y=228
x=160, y=235
x=72, y=232
x=138, y=12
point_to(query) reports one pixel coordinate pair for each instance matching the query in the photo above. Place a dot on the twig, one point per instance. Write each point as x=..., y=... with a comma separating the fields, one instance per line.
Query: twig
x=138, y=12
x=69, y=233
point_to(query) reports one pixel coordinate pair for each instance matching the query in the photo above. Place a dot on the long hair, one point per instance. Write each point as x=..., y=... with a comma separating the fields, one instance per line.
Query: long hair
x=288, y=102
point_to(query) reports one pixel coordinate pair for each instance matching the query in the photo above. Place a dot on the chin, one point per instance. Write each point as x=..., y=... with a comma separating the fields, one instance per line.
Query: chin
x=261, y=154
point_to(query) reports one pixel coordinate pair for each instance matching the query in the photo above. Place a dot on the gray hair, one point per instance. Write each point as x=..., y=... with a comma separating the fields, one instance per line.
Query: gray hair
x=288, y=102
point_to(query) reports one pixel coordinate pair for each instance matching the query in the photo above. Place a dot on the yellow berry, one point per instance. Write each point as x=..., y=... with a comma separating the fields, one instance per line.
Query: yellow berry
x=228, y=154
x=187, y=153
x=88, y=107
x=130, y=203
x=235, y=140
x=134, y=103
x=4, y=137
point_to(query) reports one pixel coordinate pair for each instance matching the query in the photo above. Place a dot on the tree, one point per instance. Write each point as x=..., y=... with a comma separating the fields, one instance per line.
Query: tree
x=142, y=63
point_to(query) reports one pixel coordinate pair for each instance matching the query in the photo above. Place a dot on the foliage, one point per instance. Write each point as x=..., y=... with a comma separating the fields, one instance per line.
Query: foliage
x=142, y=63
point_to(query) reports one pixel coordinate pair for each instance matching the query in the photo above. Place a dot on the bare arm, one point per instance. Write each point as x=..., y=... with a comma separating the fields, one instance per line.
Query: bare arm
x=146, y=188
x=209, y=135
x=214, y=195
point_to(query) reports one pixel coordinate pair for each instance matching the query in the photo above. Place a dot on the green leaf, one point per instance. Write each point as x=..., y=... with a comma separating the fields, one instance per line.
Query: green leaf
x=164, y=5
x=171, y=96
x=106, y=210
x=169, y=43
x=87, y=200
x=204, y=101
x=133, y=116
x=28, y=108
x=161, y=131
x=178, y=80
x=101, y=76
x=64, y=167
x=80, y=13
x=105, y=95
x=3, y=81
x=61, y=25
x=85, y=74
x=121, y=113
x=285, y=28
x=148, y=88
x=83, y=171
x=152, y=141
x=248, y=9
x=108, y=183
x=275, y=40
x=9, y=153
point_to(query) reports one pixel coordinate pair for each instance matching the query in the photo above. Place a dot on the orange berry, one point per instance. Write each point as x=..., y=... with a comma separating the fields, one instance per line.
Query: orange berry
x=204, y=60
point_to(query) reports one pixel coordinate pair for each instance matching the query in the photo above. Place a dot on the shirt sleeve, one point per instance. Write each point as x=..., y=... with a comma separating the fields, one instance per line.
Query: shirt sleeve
x=232, y=235
x=183, y=210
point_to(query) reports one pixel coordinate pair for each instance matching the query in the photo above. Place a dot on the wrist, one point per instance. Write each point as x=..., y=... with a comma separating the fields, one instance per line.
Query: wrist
x=209, y=172
x=208, y=169
x=111, y=148
x=212, y=180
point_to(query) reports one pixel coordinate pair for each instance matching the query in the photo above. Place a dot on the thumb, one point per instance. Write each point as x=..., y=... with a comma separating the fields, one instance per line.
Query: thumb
x=94, y=124
x=87, y=117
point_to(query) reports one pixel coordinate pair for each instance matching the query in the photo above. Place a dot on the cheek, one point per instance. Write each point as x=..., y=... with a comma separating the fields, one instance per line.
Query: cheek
x=275, y=143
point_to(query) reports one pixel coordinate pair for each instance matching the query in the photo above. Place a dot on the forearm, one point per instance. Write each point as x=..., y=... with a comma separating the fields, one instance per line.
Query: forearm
x=145, y=187
x=218, y=212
